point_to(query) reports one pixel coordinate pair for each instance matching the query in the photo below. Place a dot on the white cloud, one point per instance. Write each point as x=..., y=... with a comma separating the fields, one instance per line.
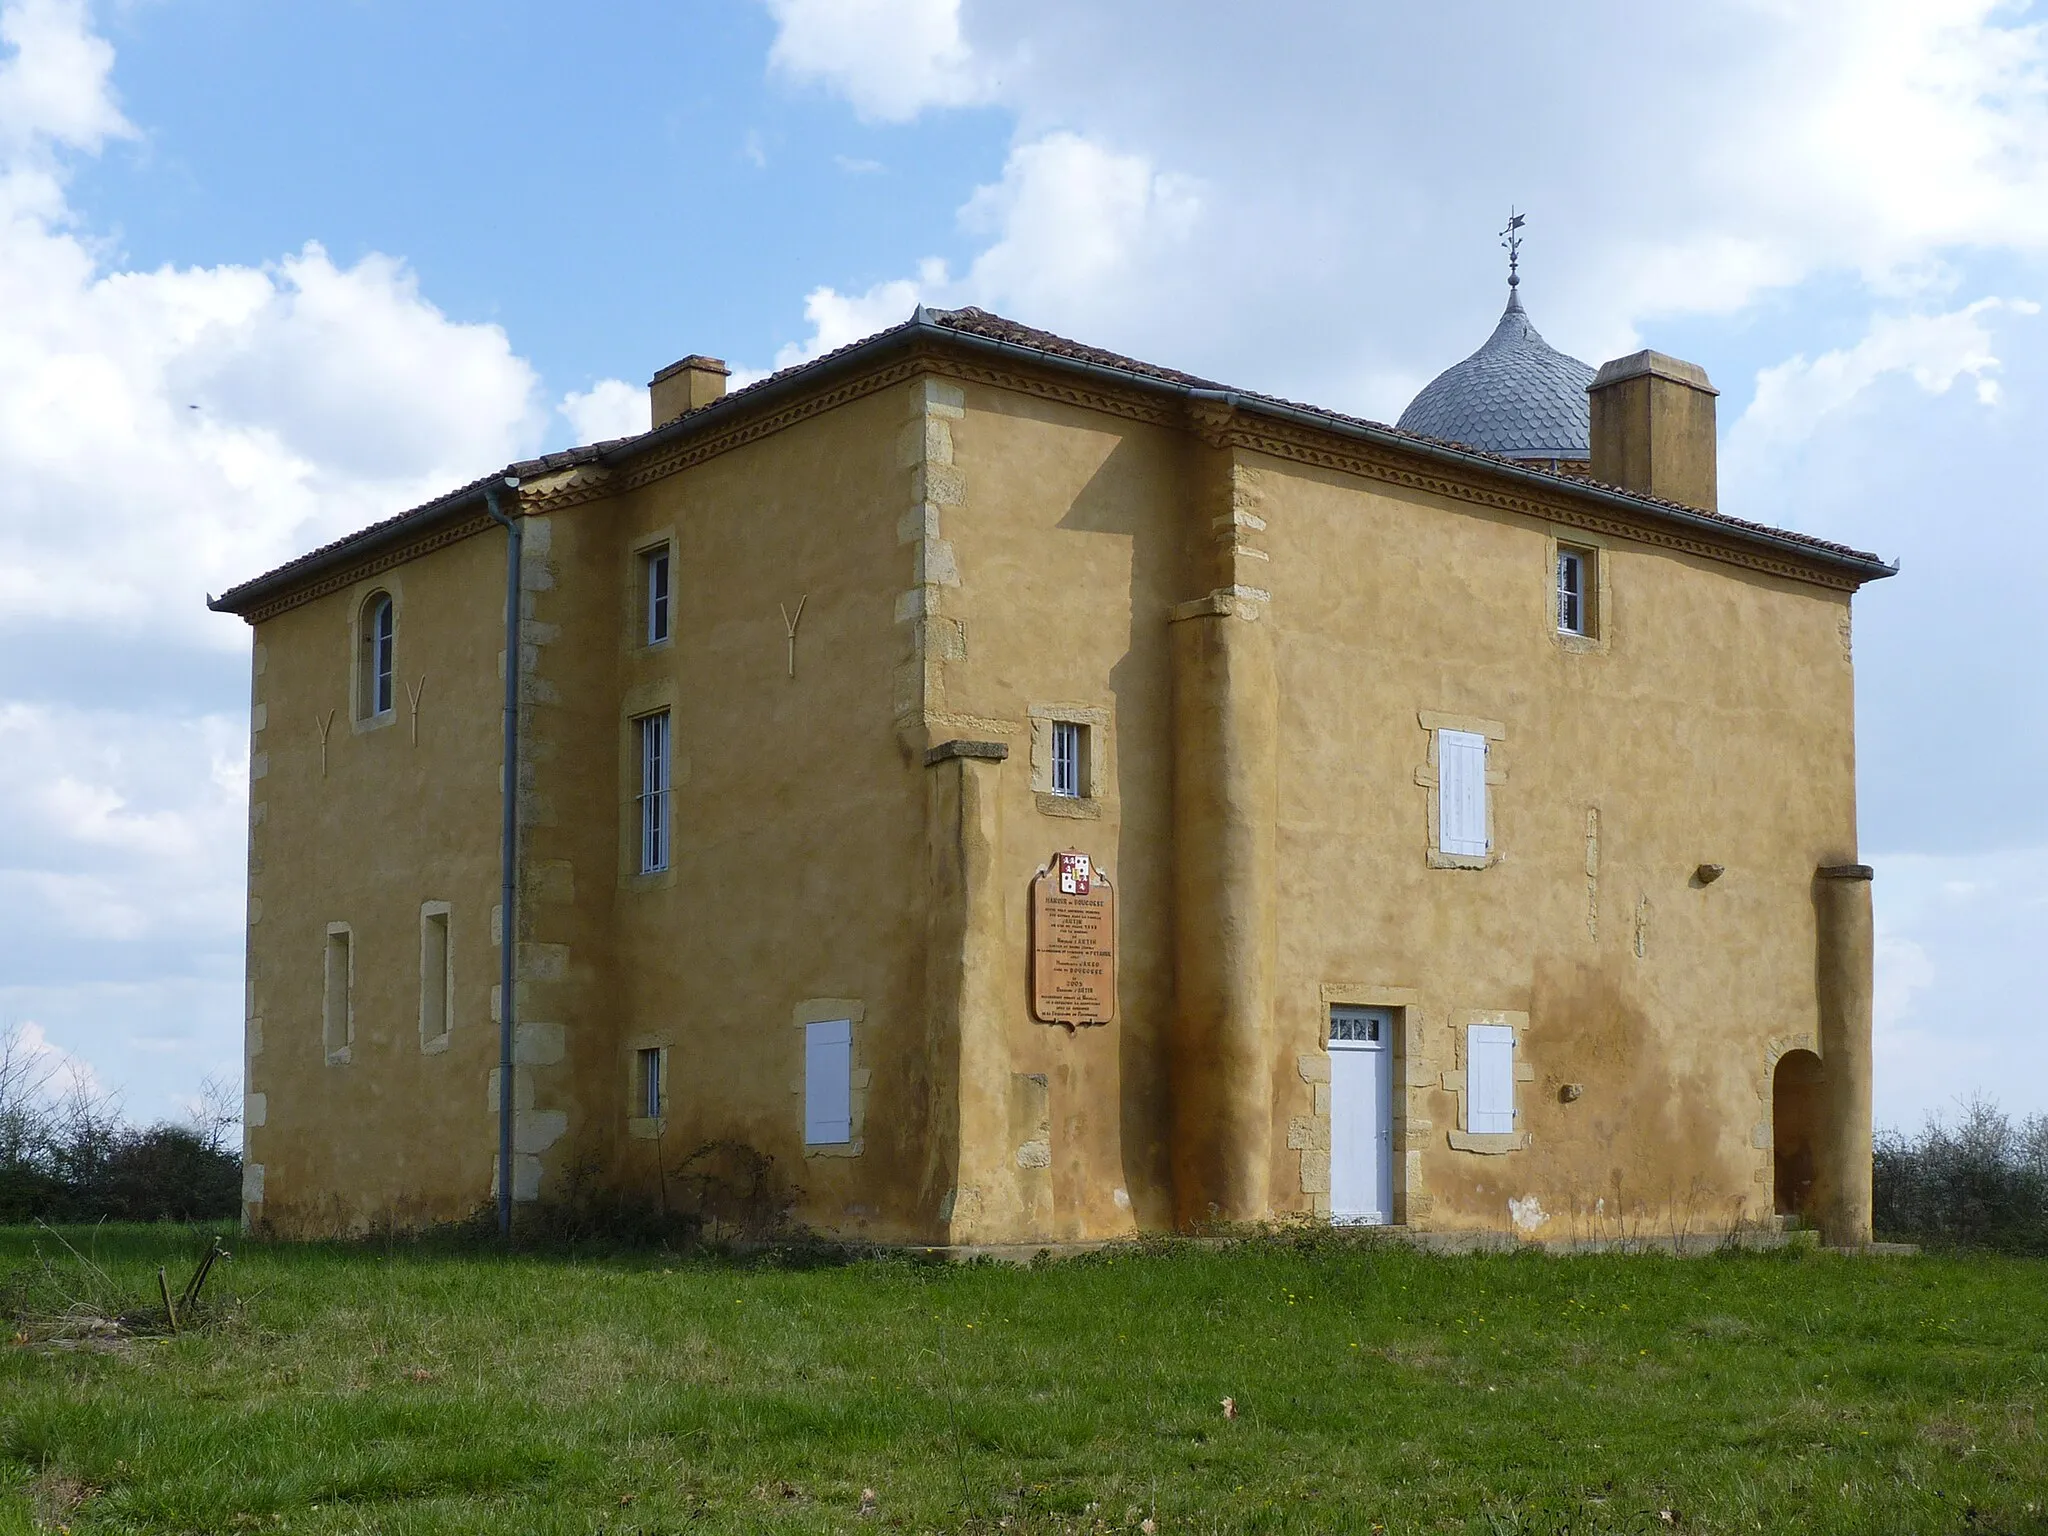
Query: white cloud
x=120, y=824
x=1353, y=159
x=54, y=89
x=36, y=1062
x=1934, y=351
x=609, y=408
x=1957, y=947
x=839, y=318
x=890, y=59
x=164, y=434
x=1072, y=223
x=1071, y=226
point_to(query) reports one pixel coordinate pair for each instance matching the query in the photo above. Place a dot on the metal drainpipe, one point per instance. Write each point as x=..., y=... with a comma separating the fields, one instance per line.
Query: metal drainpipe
x=508, y=851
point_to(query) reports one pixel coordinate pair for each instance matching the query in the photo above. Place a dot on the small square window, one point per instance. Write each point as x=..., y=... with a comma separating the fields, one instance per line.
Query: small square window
x=655, y=596
x=1069, y=758
x=1575, y=573
x=650, y=1089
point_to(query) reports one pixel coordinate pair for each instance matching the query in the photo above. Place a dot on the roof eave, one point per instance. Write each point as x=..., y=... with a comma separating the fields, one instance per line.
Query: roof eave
x=1864, y=567
x=921, y=328
x=239, y=600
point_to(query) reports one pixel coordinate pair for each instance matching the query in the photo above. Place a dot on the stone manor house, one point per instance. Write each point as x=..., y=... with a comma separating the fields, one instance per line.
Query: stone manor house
x=1034, y=795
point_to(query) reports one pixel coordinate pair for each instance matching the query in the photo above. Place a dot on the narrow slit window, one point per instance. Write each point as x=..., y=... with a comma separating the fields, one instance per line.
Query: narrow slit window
x=338, y=1000
x=650, y=1085
x=377, y=670
x=1461, y=793
x=1490, y=1079
x=828, y=1083
x=654, y=793
x=1574, y=611
x=437, y=981
x=655, y=587
x=1069, y=758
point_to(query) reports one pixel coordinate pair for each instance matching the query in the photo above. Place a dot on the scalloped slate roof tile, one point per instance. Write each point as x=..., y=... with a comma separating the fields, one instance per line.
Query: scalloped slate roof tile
x=1517, y=396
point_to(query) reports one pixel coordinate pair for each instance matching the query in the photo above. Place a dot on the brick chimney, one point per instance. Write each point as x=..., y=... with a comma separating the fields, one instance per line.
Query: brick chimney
x=1653, y=428
x=686, y=385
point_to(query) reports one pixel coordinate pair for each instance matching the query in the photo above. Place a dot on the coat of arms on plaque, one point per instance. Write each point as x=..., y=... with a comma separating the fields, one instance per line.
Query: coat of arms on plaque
x=1074, y=874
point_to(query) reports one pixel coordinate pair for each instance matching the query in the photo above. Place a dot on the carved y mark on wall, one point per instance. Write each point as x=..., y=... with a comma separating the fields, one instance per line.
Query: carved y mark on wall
x=326, y=724
x=1593, y=871
x=789, y=624
x=414, y=693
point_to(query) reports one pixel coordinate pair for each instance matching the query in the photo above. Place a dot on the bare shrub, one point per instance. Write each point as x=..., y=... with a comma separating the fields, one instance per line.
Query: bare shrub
x=73, y=1157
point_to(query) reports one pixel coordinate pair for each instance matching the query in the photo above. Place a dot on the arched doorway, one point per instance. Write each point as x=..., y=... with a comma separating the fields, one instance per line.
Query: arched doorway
x=1796, y=1111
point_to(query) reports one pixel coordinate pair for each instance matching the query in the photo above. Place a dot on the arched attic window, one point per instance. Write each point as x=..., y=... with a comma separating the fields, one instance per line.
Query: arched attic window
x=375, y=673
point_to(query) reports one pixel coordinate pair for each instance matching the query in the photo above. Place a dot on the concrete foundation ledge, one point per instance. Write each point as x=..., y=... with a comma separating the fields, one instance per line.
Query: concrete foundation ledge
x=1694, y=1245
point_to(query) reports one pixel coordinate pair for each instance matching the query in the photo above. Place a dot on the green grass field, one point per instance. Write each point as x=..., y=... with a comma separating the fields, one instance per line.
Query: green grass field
x=431, y=1389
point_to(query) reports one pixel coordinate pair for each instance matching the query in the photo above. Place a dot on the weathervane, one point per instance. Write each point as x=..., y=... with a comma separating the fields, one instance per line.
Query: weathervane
x=1511, y=242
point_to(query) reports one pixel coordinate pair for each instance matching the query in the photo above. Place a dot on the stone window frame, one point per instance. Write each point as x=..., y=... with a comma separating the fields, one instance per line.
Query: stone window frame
x=634, y=610
x=337, y=1055
x=434, y=1045
x=1491, y=1143
x=1096, y=755
x=1496, y=733
x=1310, y=1134
x=639, y=701
x=823, y=1010
x=638, y=1126
x=390, y=585
x=1598, y=638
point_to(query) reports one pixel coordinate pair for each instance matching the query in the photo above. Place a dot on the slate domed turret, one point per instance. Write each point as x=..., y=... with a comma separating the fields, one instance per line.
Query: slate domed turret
x=1517, y=395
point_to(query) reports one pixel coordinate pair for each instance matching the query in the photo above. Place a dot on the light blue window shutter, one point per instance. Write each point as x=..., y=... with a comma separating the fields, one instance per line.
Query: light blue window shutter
x=1461, y=793
x=1489, y=1079
x=828, y=1083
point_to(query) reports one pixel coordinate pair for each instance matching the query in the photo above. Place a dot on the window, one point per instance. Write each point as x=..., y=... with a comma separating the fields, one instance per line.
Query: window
x=1069, y=758
x=1357, y=1026
x=653, y=797
x=1574, y=591
x=828, y=1083
x=650, y=1092
x=437, y=977
x=1461, y=793
x=338, y=998
x=1490, y=1079
x=655, y=593
x=374, y=671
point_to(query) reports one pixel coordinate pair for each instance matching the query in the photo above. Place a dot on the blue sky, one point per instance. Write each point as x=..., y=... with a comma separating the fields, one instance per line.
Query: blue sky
x=270, y=272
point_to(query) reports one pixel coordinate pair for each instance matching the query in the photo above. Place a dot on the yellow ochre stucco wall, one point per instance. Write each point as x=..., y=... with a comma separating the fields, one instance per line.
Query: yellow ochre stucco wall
x=1259, y=637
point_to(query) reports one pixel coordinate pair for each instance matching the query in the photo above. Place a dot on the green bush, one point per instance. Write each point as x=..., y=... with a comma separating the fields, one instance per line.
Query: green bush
x=73, y=1158
x=1981, y=1183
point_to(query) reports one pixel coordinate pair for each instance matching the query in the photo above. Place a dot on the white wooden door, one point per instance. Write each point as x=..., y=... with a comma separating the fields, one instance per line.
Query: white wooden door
x=1362, y=1115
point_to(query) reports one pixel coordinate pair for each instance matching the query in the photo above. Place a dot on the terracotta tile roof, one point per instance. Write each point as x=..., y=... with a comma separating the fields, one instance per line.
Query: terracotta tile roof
x=1009, y=333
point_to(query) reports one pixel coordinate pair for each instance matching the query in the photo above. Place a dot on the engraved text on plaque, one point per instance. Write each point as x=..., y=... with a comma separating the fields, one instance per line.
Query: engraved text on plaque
x=1073, y=943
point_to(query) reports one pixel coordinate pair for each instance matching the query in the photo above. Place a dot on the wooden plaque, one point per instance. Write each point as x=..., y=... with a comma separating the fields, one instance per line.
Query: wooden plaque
x=1073, y=943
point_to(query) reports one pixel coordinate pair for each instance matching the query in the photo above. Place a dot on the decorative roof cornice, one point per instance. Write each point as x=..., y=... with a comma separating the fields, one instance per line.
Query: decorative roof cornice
x=975, y=347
